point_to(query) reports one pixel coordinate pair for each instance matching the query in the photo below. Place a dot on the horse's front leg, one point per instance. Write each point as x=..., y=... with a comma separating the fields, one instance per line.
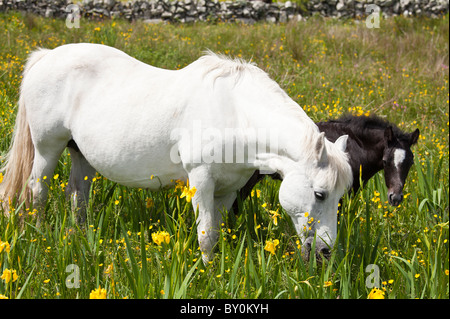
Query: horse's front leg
x=208, y=220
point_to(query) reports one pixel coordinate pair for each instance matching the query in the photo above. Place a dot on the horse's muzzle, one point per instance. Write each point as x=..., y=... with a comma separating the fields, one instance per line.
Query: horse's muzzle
x=322, y=249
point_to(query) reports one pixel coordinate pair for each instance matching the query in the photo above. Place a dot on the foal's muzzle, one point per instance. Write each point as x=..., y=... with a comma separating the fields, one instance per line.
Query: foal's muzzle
x=395, y=198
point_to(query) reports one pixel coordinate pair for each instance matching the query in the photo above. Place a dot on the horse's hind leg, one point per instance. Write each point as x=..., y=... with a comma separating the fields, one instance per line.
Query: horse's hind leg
x=80, y=180
x=44, y=164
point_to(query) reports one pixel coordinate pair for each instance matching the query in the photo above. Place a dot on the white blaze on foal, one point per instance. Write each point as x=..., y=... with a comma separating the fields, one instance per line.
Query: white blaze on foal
x=399, y=157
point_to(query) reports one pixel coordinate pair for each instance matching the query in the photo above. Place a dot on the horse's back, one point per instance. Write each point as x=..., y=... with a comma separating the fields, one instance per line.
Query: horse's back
x=118, y=110
x=84, y=84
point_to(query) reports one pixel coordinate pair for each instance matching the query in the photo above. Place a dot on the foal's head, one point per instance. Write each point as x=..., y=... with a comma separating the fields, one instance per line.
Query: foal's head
x=397, y=160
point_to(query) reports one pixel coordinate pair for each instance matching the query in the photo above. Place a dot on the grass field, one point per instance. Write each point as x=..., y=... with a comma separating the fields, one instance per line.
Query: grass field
x=329, y=67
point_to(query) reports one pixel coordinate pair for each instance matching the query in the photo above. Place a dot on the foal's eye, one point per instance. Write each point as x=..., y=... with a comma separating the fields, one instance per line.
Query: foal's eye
x=320, y=195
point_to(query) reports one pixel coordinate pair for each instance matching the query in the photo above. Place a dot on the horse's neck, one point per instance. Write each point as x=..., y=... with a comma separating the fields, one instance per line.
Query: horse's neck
x=262, y=104
x=373, y=145
x=294, y=131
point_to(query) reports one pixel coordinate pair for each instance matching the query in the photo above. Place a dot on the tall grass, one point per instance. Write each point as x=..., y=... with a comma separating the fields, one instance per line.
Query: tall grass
x=329, y=67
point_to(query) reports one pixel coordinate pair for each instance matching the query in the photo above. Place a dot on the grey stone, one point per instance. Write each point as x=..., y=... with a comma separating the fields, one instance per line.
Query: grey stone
x=230, y=10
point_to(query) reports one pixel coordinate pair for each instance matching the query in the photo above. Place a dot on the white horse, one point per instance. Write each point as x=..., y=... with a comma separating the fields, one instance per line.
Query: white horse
x=129, y=121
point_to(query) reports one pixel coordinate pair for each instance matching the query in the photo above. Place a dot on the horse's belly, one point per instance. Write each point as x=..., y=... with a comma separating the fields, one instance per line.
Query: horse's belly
x=151, y=174
x=133, y=161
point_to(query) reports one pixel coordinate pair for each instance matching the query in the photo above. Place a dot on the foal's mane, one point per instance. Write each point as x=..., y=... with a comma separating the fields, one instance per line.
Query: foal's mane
x=365, y=125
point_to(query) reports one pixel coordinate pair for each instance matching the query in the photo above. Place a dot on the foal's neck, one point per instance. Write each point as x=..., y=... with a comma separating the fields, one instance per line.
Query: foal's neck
x=373, y=144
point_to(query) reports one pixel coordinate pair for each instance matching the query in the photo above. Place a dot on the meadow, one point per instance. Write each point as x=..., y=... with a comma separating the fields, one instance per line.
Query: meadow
x=141, y=244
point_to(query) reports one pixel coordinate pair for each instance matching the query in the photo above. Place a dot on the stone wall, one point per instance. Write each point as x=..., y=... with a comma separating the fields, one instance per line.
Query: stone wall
x=248, y=11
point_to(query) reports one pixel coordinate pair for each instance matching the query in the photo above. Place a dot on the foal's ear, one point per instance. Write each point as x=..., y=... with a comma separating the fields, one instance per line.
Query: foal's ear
x=389, y=137
x=414, y=137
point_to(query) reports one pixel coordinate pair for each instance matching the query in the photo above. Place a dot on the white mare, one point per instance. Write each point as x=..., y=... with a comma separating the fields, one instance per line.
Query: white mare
x=118, y=117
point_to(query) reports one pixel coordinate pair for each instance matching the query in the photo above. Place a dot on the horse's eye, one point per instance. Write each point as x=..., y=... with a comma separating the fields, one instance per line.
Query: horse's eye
x=320, y=195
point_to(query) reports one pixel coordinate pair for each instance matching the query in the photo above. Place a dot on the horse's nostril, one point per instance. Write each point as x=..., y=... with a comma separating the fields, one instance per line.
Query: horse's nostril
x=325, y=251
x=395, y=199
x=391, y=197
x=308, y=246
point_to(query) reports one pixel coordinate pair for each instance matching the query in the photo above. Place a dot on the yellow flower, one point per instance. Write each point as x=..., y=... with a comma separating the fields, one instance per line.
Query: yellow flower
x=9, y=274
x=46, y=281
x=258, y=193
x=417, y=276
x=327, y=284
x=4, y=245
x=99, y=293
x=161, y=237
x=271, y=246
x=376, y=294
x=3, y=297
x=149, y=203
x=1, y=178
x=179, y=184
x=188, y=192
x=109, y=269
x=275, y=216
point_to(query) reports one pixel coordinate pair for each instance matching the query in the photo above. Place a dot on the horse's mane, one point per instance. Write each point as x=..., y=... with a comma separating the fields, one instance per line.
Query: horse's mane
x=216, y=65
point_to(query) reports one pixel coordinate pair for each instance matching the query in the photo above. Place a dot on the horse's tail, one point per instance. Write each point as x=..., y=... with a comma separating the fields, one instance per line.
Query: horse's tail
x=19, y=160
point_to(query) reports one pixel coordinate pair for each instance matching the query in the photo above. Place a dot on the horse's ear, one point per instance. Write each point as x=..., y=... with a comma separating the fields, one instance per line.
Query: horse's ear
x=389, y=135
x=321, y=150
x=414, y=136
x=341, y=142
